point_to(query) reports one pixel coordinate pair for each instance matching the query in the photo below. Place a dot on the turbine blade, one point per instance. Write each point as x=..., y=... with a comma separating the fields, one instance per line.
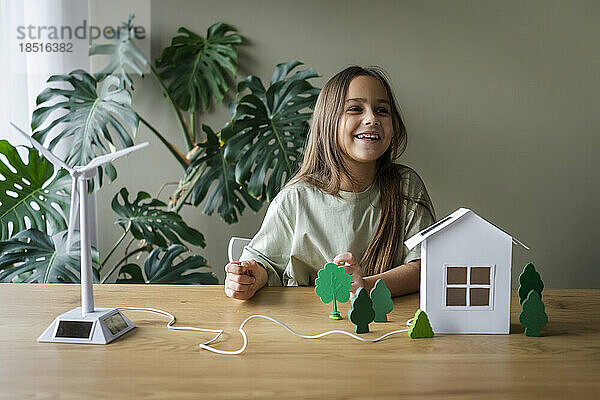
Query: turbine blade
x=72, y=213
x=98, y=161
x=51, y=157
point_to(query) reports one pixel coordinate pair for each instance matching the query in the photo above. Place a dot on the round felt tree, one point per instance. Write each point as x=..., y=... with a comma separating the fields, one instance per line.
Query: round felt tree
x=529, y=280
x=333, y=283
x=420, y=328
x=382, y=301
x=533, y=315
x=361, y=311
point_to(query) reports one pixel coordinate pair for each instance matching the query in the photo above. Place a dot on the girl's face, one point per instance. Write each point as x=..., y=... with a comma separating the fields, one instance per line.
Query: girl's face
x=365, y=128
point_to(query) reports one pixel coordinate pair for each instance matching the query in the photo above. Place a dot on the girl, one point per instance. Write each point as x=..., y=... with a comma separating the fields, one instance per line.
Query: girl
x=349, y=202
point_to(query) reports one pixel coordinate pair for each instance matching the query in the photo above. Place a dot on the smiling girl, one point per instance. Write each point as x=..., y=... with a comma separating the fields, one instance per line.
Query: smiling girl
x=349, y=203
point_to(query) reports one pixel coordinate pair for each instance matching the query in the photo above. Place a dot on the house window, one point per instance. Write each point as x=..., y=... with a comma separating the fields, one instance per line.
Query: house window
x=468, y=287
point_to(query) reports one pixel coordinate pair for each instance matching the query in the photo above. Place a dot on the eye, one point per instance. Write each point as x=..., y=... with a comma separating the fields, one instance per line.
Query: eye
x=381, y=110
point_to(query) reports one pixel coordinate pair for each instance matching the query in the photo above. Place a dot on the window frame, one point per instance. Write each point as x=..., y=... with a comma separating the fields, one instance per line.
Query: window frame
x=468, y=286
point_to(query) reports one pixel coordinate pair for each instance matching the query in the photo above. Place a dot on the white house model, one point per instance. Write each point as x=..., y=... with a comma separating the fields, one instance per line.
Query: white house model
x=465, y=274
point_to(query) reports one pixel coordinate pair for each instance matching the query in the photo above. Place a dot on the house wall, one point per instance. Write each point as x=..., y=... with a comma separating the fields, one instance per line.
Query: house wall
x=470, y=241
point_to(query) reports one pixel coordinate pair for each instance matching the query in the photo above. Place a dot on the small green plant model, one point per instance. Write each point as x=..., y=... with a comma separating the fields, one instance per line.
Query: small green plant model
x=529, y=280
x=420, y=328
x=533, y=316
x=382, y=301
x=333, y=284
x=361, y=311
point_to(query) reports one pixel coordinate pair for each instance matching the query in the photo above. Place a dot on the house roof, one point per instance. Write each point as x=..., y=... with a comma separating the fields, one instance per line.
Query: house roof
x=447, y=221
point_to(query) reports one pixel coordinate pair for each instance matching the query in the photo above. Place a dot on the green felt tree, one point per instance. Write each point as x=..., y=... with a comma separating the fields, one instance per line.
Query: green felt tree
x=528, y=280
x=361, y=311
x=382, y=301
x=333, y=284
x=420, y=327
x=532, y=316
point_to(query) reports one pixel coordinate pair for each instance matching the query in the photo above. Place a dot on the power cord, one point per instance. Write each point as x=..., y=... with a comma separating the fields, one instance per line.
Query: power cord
x=206, y=346
x=172, y=321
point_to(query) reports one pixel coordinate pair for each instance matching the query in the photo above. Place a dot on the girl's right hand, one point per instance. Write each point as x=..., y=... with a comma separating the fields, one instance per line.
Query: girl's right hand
x=244, y=279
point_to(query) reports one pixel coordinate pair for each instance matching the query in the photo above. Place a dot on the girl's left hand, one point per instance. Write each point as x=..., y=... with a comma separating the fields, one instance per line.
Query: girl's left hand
x=352, y=267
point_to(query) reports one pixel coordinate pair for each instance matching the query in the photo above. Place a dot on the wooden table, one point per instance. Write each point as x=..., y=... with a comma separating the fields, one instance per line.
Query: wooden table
x=152, y=362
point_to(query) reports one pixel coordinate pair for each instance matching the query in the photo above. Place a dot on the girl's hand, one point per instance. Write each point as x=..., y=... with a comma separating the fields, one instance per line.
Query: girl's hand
x=244, y=279
x=352, y=267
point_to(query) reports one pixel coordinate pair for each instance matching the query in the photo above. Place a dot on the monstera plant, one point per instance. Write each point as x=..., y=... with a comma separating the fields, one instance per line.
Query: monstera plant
x=258, y=150
x=242, y=164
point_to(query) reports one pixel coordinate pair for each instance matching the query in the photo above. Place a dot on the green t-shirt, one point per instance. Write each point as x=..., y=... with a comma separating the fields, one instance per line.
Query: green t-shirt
x=305, y=228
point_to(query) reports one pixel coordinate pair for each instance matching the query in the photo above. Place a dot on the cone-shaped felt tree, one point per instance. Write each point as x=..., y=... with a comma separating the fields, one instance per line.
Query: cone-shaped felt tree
x=528, y=280
x=382, y=301
x=420, y=327
x=361, y=312
x=533, y=315
x=333, y=283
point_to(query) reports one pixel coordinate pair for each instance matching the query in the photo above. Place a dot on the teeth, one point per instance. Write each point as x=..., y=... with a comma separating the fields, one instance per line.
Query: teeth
x=367, y=136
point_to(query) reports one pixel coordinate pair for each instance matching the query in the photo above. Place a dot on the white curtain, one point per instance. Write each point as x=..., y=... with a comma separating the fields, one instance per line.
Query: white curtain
x=23, y=75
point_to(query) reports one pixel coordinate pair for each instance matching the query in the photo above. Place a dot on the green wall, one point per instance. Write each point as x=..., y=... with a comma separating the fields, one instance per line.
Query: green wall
x=500, y=100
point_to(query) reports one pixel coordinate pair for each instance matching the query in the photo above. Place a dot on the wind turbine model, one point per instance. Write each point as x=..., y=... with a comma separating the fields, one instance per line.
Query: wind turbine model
x=84, y=324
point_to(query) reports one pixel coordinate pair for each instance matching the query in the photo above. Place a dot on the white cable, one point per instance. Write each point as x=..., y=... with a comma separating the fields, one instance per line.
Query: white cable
x=170, y=323
x=241, y=330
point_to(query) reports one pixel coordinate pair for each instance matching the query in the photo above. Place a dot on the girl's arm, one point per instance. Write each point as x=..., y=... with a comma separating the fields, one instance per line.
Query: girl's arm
x=401, y=280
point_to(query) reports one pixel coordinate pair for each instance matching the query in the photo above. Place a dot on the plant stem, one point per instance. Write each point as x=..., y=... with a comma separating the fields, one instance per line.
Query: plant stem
x=176, y=153
x=186, y=129
x=192, y=126
x=187, y=194
x=120, y=262
x=164, y=186
x=110, y=253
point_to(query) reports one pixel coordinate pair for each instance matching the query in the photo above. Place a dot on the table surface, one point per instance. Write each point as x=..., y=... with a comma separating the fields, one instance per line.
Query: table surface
x=156, y=363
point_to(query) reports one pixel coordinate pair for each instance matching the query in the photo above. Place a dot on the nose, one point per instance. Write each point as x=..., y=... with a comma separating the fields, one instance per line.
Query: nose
x=370, y=118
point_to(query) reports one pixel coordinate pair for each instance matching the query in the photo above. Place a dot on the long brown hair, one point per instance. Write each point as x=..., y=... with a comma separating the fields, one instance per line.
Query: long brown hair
x=323, y=163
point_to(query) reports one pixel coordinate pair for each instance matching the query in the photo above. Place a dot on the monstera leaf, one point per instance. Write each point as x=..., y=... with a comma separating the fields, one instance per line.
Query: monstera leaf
x=162, y=270
x=149, y=221
x=125, y=55
x=209, y=166
x=196, y=68
x=41, y=259
x=269, y=129
x=27, y=192
x=95, y=120
x=256, y=153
